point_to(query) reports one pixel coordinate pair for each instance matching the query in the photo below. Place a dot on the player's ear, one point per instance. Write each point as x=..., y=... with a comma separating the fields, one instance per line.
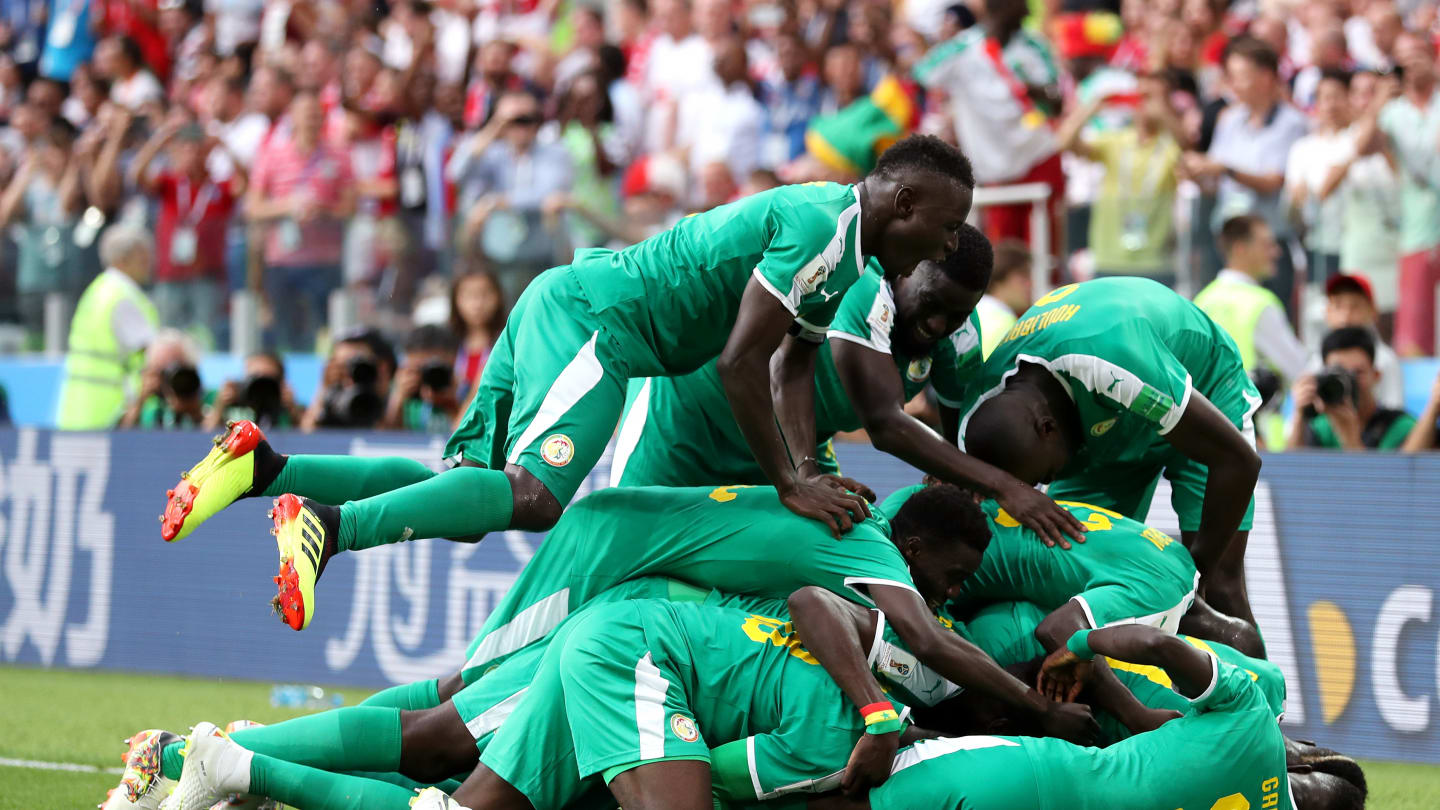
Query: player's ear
x=1299, y=768
x=904, y=204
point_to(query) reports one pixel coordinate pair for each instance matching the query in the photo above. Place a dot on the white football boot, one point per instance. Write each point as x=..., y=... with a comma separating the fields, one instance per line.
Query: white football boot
x=433, y=798
x=215, y=768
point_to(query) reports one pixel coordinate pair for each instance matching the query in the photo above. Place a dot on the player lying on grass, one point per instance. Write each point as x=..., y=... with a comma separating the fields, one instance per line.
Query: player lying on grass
x=888, y=342
x=1126, y=572
x=1101, y=388
x=773, y=716
x=1227, y=752
x=728, y=283
x=709, y=537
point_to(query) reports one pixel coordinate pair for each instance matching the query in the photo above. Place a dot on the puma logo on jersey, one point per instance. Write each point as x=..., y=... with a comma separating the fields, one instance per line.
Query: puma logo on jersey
x=1114, y=381
x=827, y=295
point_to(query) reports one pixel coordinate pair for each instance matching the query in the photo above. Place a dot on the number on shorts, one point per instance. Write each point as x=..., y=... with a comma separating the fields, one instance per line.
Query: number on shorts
x=1235, y=801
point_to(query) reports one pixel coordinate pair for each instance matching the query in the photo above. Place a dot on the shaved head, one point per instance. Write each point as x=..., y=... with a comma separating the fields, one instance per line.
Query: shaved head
x=1016, y=431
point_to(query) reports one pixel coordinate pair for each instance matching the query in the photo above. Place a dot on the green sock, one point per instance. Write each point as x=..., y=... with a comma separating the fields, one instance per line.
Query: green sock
x=337, y=479
x=317, y=789
x=463, y=502
x=408, y=697
x=449, y=785
x=356, y=738
x=171, y=763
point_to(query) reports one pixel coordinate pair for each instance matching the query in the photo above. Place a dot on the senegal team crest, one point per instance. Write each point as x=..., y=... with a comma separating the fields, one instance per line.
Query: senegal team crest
x=919, y=369
x=1101, y=428
x=684, y=728
x=557, y=450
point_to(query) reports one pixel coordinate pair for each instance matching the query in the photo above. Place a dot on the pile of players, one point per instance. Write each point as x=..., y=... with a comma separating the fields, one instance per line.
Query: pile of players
x=696, y=635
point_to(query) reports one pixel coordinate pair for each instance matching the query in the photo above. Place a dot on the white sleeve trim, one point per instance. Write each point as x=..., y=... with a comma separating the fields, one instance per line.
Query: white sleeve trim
x=754, y=772
x=810, y=332
x=836, y=334
x=792, y=306
x=1172, y=419
x=852, y=582
x=1214, y=679
x=879, y=639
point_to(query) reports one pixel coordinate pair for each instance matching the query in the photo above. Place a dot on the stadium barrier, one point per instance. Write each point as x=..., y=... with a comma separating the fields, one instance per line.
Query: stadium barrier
x=1342, y=572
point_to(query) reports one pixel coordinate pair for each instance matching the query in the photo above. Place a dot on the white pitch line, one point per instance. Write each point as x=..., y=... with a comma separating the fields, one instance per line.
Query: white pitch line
x=7, y=762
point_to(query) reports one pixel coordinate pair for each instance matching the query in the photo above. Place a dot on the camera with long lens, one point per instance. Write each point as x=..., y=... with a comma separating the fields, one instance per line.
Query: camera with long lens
x=261, y=394
x=357, y=404
x=181, y=380
x=1333, y=385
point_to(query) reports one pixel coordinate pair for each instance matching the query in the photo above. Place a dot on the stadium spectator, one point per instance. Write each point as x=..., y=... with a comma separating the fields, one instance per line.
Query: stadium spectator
x=263, y=396
x=1249, y=150
x=1131, y=219
x=44, y=200
x=1426, y=433
x=1327, y=54
x=1370, y=191
x=587, y=131
x=355, y=383
x=1309, y=193
x=999, y=84
x=1411, y=125
x=477, y=314
x=1252, y=315
x=1350, y=301
x=721, y=123
x=424, y=397
x=69, y=38
x=503, y=174
x=1336, y=408
x=195, y=211
x=132, y=85
x=171, y=394
x=301, y=192
x=113, y=324
x=791, y=96
x=1010, y=293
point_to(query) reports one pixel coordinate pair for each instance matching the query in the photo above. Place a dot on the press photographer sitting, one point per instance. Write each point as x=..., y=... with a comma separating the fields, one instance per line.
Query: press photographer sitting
x=424, y=398
x=171, y=395
x=1336, y=406
x=355, y=383
x=263, y=396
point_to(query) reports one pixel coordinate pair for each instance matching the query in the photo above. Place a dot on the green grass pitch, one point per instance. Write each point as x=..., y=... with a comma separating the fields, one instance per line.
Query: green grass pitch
x=79, y=718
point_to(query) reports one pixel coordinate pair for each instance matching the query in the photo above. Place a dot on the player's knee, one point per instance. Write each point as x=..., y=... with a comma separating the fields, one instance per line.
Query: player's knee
x=536, y=508
x=435, y=744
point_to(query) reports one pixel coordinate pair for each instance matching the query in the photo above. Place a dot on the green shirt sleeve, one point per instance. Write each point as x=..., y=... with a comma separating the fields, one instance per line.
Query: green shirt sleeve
x=802, y=267
x=1395, y=435
x=867, y=312
x=958, y=359
x=1231, y=690
x=152, y=412
x=1130, y=372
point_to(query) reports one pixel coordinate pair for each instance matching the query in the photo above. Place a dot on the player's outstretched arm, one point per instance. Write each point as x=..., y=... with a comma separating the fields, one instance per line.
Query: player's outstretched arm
x=744, y=368
x=875, y=391
x=964, y=664
x=1191, y=670
x=836, y=628
x=1207, y=436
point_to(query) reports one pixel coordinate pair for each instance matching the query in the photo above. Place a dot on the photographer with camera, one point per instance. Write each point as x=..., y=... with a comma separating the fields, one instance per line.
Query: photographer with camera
x=171, y=395
x=1336, y=407
x=263, y=396
x=425, y=396
x=355, y=383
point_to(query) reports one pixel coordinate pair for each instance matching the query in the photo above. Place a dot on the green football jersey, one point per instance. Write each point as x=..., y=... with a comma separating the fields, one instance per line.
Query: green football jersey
x=1228, y=754
x=680, y=431
x=672, y=299
x=1129, y=351
x=736, y=539
x=1006, y=631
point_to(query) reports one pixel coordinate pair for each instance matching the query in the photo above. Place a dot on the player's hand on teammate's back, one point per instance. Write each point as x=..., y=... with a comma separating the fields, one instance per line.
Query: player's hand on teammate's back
x=1063, y=675
x=825, y=498
x=1037, y=512
x=870, y=762
x=1072, y=722
x=851, y=485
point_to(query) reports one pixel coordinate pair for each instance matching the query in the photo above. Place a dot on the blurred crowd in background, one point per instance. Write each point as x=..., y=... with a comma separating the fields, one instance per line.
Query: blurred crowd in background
x=426, y=158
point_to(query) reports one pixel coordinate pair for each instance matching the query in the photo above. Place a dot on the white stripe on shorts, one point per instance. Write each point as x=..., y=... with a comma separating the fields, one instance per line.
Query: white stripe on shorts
x=529, y=625
x=650, y=689
x=494, y=717
x=630, y=432
x=574, y=381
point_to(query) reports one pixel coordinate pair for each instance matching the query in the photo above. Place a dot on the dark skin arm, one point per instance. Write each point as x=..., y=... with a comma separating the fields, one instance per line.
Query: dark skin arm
x=1190, y=669
x=744, y=368
x=876, y=393
x=792, y=375
x=836, y=631
x=1105, y=689
x=1205, y=435
x=964, y=664
x=950, y=424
